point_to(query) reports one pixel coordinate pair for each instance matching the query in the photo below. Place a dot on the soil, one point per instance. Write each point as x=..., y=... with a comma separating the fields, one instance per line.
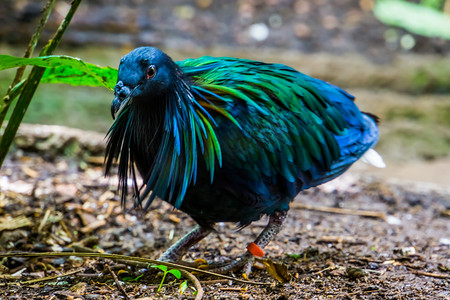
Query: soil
x=51, y=202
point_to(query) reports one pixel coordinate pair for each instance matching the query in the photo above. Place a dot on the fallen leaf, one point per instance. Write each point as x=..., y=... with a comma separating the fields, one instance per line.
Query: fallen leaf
x=92, y=226
x=277, y=270
x=15, y=223
x=66, y=189
x=30, y=172
x=355, y=273
x=78, y=288
x=174, y=219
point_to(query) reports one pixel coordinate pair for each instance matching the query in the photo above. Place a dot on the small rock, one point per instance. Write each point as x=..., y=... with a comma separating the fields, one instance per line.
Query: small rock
x=355, y=273
x=444, y=241
x=373, y=265
x=393, y=220
x=405, y=251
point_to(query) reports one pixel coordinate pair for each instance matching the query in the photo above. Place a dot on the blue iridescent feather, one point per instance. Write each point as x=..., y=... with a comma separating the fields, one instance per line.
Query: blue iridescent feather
x=228, y=139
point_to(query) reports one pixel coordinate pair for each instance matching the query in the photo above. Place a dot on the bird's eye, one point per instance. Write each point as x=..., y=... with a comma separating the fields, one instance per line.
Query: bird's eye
x=151, y=72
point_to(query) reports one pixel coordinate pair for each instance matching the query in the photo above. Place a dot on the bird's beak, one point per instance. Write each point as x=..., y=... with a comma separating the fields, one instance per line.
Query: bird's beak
x=122, y=97
x=115, y=106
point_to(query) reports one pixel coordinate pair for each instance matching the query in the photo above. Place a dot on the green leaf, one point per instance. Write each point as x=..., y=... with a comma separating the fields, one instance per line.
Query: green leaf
x=183, y=287
x=161, y=267
x=65, y=69
x=175, y=273
x=128, y=278
x=413, y=17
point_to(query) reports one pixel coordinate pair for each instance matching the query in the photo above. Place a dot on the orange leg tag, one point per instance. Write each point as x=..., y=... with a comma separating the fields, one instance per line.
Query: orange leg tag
x=255, y=250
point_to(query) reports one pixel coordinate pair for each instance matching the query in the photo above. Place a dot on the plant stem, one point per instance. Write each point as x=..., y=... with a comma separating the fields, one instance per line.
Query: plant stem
x=162, y=281
x=6, y=101
x=32, y=84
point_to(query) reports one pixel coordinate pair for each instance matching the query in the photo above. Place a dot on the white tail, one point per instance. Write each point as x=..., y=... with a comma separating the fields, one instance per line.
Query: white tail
x=372, y=157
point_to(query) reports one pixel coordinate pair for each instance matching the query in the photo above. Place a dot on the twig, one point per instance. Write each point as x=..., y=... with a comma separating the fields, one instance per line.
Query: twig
x=340, y=239
x=214, y=281
x=323, y=270
x=196, y=282
x=344, y=211
x=116, y=280
x=435, y=275
x=44, y=220
x=45, y=278
x=231, y=289
x=9, y=277
x=124, y=258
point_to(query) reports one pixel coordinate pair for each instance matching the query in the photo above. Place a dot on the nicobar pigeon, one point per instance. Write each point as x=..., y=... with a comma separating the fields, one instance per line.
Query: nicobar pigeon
x=229, y=140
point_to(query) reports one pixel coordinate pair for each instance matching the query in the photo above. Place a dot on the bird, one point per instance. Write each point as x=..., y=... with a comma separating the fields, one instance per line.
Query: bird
x=229, y=140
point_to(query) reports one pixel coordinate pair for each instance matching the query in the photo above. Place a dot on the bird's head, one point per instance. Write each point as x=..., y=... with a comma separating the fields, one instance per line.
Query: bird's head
x=145, y=74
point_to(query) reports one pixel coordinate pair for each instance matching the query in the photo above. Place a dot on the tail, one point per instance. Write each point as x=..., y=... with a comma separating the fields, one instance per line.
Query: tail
x=371, y=156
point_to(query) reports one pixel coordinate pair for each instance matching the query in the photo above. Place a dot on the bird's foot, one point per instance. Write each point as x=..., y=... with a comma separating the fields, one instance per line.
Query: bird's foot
x=247, y=261
x=244, y=263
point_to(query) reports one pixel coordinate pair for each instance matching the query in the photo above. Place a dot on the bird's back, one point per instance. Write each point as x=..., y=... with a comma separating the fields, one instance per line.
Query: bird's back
x=280, y=132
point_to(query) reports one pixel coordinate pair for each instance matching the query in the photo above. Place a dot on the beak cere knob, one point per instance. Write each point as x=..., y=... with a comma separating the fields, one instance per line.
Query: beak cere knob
x=121, y=93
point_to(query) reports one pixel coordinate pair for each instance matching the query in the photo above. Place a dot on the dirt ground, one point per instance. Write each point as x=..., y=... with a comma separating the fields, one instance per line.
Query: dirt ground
x=50, y=203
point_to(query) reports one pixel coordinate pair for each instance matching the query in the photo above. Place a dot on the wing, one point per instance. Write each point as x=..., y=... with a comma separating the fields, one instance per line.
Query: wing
x=273, y=120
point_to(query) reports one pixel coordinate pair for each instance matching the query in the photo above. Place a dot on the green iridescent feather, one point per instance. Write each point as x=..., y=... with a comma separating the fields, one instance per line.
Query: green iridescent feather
x=255, y=124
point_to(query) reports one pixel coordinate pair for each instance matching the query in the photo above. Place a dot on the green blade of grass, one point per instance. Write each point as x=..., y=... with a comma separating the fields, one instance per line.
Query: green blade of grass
x=32, y=84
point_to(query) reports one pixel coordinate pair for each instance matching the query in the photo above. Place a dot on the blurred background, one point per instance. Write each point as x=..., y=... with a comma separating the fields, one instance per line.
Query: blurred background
x=392, y=55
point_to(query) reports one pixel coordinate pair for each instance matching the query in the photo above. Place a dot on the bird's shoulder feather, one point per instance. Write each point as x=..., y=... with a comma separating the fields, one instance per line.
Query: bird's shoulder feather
x=285, y=121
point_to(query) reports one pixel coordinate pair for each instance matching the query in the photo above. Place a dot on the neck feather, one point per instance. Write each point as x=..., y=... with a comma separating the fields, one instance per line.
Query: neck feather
x=162, y=142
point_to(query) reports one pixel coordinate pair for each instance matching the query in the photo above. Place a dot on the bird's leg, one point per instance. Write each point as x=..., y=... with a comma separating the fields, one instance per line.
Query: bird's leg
x=245, y=262
x=176, y=252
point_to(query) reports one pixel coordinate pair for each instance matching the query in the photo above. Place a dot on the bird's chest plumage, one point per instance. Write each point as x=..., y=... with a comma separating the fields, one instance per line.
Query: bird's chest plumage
x=232, y=196
x=236, y=193
x=145, y=145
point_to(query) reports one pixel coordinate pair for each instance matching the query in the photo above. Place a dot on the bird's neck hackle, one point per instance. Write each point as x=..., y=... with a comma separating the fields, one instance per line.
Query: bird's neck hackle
x=163, y=136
